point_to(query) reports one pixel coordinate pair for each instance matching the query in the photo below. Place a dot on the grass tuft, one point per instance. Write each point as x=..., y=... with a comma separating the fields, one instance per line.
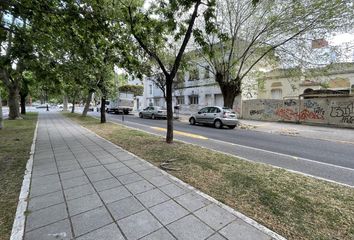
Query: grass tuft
x=15, y=145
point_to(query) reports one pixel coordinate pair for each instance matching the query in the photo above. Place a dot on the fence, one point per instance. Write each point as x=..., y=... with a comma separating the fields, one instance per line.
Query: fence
x=338, y=111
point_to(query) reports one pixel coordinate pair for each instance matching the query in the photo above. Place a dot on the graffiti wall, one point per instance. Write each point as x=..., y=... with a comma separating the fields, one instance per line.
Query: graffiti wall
x=333, y=111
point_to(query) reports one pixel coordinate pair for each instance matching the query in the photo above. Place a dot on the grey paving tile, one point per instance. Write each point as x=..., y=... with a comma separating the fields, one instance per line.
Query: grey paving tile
x=91, y=163
x=106, y=184
x=215, y=216
x=114, y=165
x=168, y=212
x=190, y=228
x=73, y=182
x=161, y=234
x=124, y=156
x=38, y=171
x=91, y=220
x=48, y=179
x=56, y=231
x=67, y=168
x=121, y=171
x=159, y=180
x=241, y=230
x=109, y=232
x=139, y=225
x=152, y=197
x=140, y=167
x=79, y=191
x=114, y=194
x=173, y=190
x=99, y=176
x=46, y=216
x=139, y=187
x=83, y=204
x=152, y=172
x=107, y=160
x=72, y=174
x=192, y=201
x=129, y=178
x=125, y=207
x=44, y=201
x=216, y=236
x=96, y=169
x=133, y=162
x=42, y=189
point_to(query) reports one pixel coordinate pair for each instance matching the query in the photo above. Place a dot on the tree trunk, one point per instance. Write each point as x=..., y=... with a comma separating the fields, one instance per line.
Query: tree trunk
x=230, y=88
x=65, y=103
x=87, y=104
x=14, y=112
x=73, y=108
x=103, y=109
x=1, y=117
x=23, y=103
x=169, y=134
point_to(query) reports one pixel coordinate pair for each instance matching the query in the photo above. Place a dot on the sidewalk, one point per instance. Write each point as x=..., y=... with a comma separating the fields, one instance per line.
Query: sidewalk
x=84, y=187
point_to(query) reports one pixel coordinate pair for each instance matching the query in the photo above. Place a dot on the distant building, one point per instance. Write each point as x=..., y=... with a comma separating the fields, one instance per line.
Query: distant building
x=290, y=83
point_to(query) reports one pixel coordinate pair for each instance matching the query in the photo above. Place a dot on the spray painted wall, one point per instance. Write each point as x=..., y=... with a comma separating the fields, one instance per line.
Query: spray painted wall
x=337, y=111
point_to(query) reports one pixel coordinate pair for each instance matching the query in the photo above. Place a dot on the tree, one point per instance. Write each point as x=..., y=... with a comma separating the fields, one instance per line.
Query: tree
x=137, y=90
x=155, y=29
x=244, y=34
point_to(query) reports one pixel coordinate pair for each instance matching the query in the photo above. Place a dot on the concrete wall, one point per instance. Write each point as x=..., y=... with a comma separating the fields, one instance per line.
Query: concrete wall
x=337, y=111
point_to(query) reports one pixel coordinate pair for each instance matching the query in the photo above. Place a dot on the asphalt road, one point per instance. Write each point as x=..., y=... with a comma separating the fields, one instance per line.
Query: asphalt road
x=332, y=161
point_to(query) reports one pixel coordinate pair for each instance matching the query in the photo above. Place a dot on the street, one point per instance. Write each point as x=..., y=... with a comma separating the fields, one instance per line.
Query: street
x=333, y=161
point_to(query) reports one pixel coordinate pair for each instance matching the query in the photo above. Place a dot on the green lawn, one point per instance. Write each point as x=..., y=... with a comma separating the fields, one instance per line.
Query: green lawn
x=15, y=145
x=293, y=205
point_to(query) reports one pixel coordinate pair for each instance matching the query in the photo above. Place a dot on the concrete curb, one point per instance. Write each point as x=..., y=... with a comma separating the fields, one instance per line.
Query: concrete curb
x=246, y=219
x=18, y=227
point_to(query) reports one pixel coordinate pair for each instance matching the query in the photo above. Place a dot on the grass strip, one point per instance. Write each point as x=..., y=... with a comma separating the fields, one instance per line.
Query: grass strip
x=15, y=145
x=293, y=205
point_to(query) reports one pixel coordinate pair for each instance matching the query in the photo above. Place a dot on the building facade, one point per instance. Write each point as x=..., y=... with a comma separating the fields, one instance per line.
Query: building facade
x=290, y=83
x=195, y=89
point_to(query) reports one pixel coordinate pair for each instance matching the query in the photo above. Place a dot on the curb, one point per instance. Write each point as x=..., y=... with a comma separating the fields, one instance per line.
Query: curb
x=18, y=227
x=243, y=217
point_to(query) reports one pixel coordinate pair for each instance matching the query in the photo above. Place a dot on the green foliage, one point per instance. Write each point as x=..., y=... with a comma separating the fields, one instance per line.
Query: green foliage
x=137, y=90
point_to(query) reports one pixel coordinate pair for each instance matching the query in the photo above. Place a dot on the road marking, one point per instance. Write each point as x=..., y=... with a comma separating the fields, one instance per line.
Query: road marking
x=248, y=147
x=282, y=154
x=181, y=133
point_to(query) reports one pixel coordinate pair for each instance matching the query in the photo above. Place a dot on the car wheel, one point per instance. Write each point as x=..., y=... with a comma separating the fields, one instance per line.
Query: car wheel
x=140, y=115
x=218, y=124
x=125, y=112
x=153, y=116
x=192, y=121
x=232, y=126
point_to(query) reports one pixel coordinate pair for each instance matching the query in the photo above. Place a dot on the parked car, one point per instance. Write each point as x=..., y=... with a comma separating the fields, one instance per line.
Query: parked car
x=153, y=112
x=216, y=116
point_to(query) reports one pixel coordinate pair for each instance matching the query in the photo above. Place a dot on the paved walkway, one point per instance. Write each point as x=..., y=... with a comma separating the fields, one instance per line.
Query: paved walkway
x=84, y=187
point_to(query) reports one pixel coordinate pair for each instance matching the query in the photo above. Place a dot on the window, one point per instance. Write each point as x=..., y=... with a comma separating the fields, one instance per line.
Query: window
x=207, y=72
x=194, y=99
x=204, y=110
x=193, y=74
x=277, y=94
x=150, y=87
x=180, y=100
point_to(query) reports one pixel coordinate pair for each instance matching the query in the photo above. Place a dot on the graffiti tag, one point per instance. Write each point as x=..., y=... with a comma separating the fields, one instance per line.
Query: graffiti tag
x=256, y=112
x=290, y=102
x=344, y=112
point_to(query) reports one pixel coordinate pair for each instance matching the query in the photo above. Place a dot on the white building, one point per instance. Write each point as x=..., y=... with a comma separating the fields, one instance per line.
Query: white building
x=196, y=89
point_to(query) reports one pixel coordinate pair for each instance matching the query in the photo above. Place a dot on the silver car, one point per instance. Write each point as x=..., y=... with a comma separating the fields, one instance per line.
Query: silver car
x=216, y=116
x=153, y=112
